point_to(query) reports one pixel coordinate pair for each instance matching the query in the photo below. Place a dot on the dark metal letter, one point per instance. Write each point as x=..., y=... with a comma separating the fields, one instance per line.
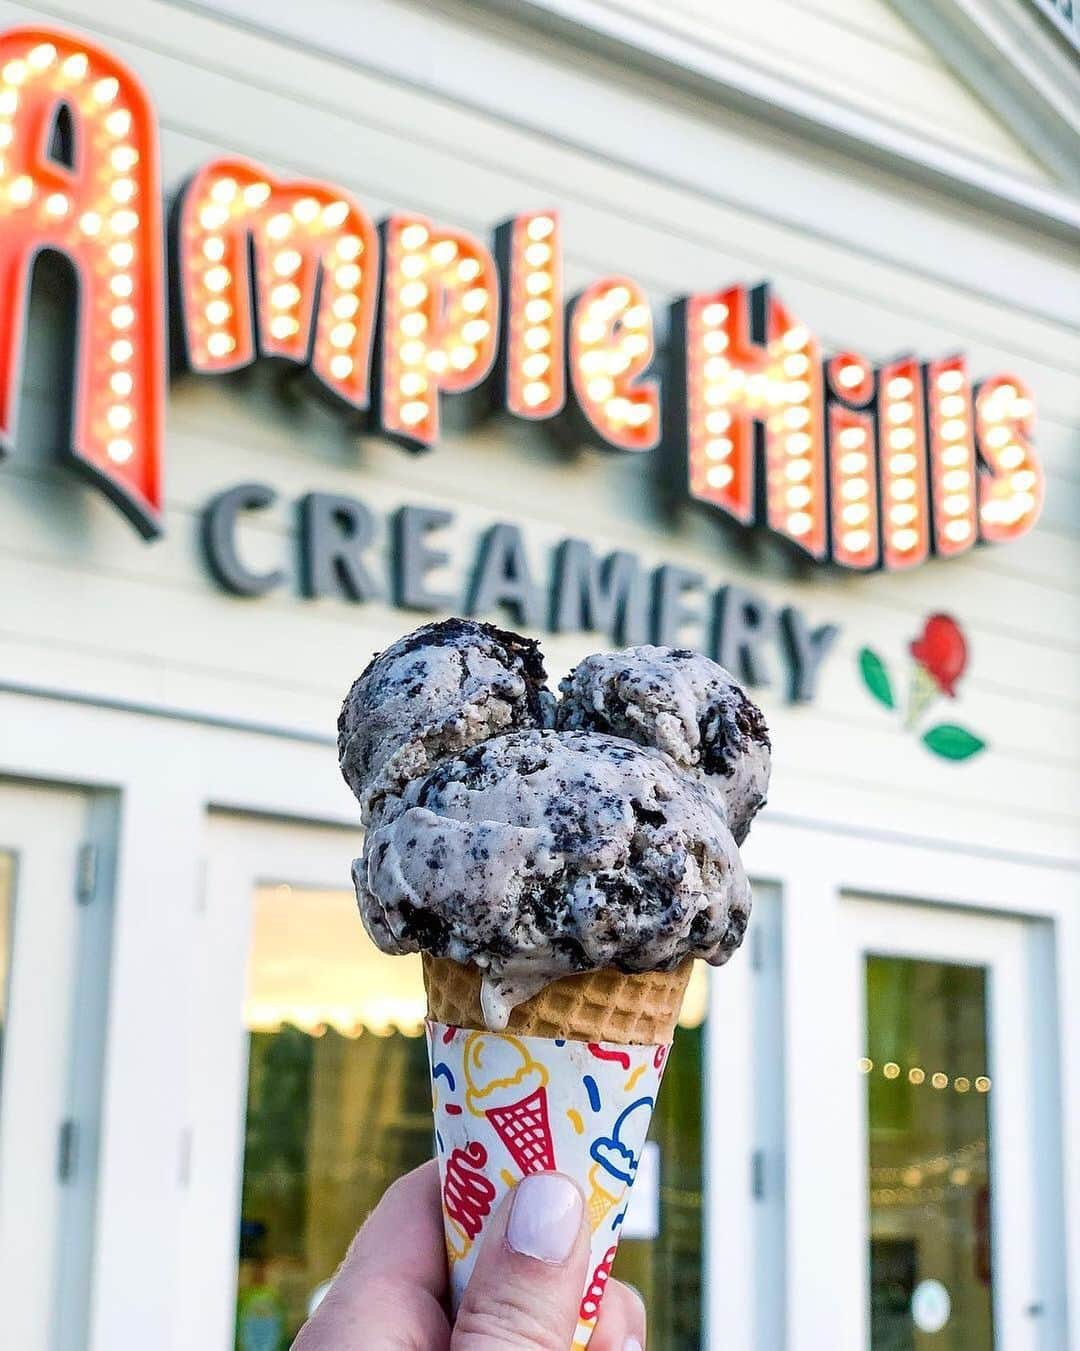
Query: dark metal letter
x=502, y=577
x=219, y=539
x=607, y=595
x=334, y=532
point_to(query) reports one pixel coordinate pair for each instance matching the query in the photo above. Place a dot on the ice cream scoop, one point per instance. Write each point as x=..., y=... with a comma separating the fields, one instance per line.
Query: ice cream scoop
x=685, y=705
x=433, y=693
x=540, y=853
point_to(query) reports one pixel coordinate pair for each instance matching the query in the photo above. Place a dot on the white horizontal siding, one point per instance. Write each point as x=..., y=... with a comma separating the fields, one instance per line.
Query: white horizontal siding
x=90, y=608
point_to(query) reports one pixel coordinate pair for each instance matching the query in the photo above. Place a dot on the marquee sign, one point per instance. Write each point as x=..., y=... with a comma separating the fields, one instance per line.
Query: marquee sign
x=868, y=466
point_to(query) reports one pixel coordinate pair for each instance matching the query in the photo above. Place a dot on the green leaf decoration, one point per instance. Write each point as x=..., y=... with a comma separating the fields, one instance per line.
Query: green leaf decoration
x=952, y=742
x=876, y=677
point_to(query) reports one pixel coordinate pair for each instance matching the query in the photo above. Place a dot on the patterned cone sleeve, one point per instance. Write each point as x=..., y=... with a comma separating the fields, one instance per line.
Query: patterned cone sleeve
x=508, y=1105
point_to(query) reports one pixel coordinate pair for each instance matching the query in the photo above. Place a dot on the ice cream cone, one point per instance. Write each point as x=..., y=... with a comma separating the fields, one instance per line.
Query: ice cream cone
x=637, y=1008
x=569, y=1086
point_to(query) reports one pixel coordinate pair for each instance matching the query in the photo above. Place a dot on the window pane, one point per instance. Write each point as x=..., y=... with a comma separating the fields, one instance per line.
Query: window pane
x=928, y=1087
x=339, y=1102
x=666, y=1268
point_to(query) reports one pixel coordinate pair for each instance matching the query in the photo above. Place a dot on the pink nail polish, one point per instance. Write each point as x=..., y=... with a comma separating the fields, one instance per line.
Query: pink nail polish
x=545, y=1218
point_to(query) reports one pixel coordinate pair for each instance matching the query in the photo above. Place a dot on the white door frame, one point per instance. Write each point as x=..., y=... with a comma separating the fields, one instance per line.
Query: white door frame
x=1001, y=946
x=241, y=853
x=52, y=1058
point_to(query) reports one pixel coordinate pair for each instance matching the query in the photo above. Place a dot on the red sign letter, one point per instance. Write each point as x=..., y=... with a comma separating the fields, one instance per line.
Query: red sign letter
x=952, y=455
x=853, y=463
x=902, y=450
x=1010, y=499
x=84, y=182
x=532, y=362
x=439, y=322
x=310, y=239
x=611, y=344
x=747, y=362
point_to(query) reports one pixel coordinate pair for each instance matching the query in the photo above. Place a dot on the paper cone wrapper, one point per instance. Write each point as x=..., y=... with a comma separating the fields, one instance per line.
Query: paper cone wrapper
x=507, y=1105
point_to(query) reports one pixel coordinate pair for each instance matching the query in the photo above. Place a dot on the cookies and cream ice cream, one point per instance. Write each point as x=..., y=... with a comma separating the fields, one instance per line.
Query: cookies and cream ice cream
x=684, y=704
x=433, y=693
x=531, y=852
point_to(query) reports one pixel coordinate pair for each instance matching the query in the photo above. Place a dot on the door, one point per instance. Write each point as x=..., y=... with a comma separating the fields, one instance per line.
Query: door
x=952, y=1241
x=53, y=973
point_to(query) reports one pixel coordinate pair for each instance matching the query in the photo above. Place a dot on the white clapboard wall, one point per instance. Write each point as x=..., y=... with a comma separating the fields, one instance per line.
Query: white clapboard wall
x=867, y=261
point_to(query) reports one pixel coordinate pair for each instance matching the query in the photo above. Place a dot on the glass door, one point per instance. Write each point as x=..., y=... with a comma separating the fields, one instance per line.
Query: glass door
x=52, y=979
x=947, y=1055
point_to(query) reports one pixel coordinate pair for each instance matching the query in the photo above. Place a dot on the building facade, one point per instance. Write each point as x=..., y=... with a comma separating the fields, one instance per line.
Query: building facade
x=817, y=416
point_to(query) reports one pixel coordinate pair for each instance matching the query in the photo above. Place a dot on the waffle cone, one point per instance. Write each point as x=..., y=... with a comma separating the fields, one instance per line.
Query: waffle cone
x=629, y=1009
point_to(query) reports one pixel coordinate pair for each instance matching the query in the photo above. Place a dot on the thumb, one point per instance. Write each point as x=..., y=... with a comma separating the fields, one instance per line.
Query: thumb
x=526, y=1287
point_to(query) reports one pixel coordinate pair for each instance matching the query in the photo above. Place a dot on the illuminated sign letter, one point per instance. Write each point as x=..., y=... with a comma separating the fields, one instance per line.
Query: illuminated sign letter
x=852, y=462
x=79, y=175
x=531, y=361
x=316, y=258
x=902, y=440
x=439, y=324
x=611, y=345
x=952, y=455
x=752, y=371
x=1011, y=496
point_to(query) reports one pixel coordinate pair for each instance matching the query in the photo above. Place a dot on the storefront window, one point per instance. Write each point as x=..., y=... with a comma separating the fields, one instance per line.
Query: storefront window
x=338, y=1099
x=929, y=1178
x=339, y=1105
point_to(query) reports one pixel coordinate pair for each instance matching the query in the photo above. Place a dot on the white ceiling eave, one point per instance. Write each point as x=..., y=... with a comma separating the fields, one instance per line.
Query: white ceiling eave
x=1017, y=64
x=837, y=124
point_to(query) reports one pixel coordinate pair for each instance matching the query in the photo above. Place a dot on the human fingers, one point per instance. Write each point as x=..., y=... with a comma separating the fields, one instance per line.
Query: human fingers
x=621, y=1325
x=386, y=1295
x=525, y=1289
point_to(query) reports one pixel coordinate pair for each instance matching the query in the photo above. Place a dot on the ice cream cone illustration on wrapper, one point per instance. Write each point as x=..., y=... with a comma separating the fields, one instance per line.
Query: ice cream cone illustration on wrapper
x=559, y=865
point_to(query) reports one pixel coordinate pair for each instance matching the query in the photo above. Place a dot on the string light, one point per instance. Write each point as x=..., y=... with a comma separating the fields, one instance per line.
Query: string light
x=305, y=235
x=439, y=325
x=104, y=215
x=611, y=346
x=1011, y=494
x=918, y=1076
x=534, y=363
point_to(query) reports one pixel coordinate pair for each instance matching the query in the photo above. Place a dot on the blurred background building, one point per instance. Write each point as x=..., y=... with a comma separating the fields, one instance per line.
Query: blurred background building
x=209, y=1075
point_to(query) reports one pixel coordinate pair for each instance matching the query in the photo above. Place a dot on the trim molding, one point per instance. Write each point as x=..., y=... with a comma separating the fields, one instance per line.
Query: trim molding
x=823, y=119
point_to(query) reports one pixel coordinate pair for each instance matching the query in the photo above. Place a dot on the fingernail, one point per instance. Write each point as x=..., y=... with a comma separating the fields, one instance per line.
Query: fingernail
x=545, y=1218
x=632, y=1344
